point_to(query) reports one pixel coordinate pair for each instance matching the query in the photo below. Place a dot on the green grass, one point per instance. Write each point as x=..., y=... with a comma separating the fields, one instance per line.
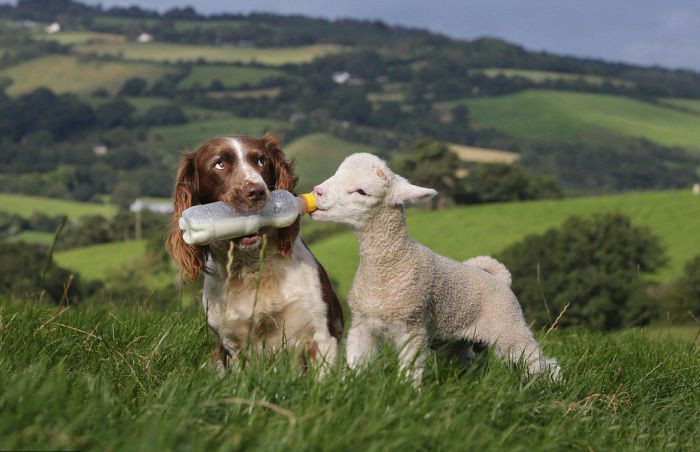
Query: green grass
x=465, y=232
x=231, y=76
x=111, y=378
x=80, y=37
x=318, y=156
x=689, y=104
x=38, y=237
x=568, y=116
x=186, y=137
x=166, y=52
x=97, y=261
x=541, y=76
x=25, y=206
x=62, y=73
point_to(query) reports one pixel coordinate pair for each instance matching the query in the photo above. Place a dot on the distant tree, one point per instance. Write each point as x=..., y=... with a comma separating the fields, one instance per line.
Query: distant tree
x=502, y=182
x=595, y=265
x=135, y=86
x=683, y=302
x=117, y=113
x=164, y=115
x=21, y=268
x=124, y=194
x=431, y=164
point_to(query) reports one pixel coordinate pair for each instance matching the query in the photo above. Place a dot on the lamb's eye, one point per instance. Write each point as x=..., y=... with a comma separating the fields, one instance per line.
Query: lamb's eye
x=360, y=191
x=220, y=165
x=261, y=161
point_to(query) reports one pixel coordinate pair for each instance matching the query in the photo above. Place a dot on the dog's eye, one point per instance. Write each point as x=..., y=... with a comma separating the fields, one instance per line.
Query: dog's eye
x=220, y=165
x=360, y=191
x=261, y=161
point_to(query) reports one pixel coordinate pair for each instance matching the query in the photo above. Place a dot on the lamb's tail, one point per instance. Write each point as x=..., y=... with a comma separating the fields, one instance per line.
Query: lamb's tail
x=491, y=265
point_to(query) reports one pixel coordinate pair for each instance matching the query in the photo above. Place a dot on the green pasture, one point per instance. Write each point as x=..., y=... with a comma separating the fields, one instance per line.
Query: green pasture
x=97, y=261
x=64, y=73
x=80, y=37
x=689, y=104
x=168, y=52
x=464, y=232
x=186, y=137
x=25, y=206
x=109, y=377
x=567, y=116
x=38, y=237
x=542, y=76
x=318, y=156
x=230, y=76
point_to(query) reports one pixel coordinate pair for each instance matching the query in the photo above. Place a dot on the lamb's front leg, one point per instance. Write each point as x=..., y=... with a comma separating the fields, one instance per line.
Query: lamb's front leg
x=362, y=344
x=412, y=345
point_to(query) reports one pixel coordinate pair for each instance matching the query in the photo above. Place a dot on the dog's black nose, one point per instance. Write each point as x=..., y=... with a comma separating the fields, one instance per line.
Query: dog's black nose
x=256, y=192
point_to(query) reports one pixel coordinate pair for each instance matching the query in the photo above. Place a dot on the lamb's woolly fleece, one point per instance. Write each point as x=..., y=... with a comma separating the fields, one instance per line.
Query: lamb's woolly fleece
x=404, y=292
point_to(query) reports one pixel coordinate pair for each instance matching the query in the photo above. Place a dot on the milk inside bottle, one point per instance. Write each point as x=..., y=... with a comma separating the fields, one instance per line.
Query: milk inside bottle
x=207, y=223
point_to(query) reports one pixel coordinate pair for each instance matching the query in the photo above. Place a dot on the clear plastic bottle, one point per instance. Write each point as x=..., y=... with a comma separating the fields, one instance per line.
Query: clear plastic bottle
x=207, y=223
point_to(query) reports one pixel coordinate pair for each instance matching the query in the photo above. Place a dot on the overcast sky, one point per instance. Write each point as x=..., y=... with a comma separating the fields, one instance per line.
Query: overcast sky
x=663, y=32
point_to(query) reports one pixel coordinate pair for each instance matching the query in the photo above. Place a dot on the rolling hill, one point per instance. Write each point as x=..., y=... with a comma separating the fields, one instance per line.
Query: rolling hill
x=558, y=115
x=169, y=52
x=318, y=156
x=97, y=261
x=64, y=73
x=465, y=232
x=25, y=206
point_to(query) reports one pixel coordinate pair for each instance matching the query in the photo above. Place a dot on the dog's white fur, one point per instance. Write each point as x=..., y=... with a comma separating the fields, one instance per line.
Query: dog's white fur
x=286, y=310
x=407, y=294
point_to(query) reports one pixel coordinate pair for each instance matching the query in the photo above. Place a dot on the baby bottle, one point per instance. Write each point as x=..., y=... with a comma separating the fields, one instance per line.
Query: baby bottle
x=207, y=223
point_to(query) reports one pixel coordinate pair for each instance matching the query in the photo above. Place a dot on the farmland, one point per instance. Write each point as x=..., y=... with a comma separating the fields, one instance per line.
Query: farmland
x=64, y=74
x=482, y=155
x=565, y=116
x=25, y=206
x=318, y=156
x=97, y=261
x=230, y=76
x=166, y=52
x=541, y=76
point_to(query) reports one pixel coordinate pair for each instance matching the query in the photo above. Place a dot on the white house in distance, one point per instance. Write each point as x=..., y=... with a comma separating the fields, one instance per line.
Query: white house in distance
x=152, y=205
x=144, y=38
x=53, y=28
x=696, y=189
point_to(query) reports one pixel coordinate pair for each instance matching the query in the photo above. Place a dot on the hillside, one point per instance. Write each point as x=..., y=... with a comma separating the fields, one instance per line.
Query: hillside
x=465, y=232
x=568, y=116
x=97, y=261
x=27, y=205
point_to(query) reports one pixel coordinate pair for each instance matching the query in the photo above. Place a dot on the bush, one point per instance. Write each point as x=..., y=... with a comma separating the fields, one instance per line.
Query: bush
x=501, y=182
x=135, y=86
x=595, y=265
x=162, y=115
x=21, y=269
x=683, y=300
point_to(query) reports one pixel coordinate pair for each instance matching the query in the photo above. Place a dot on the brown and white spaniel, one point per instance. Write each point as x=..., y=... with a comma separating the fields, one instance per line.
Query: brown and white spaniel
x=284, y=301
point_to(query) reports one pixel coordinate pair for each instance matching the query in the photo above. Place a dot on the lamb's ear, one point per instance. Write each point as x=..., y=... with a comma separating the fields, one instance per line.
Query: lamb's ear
x=403, y=192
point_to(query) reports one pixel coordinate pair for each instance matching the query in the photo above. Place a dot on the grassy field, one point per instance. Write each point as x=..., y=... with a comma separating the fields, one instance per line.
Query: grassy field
x=176, y=139
x=464, y=232
x=541, y=76
x=318, y=156
x=38, y=237
x=166, y=52
x=231, y=76
x=110, y=378
x=483, y=155
x=688, y=104
x=565, y=116
x=97, y=261
x=62, y=73
x=27, y=205
x=81, y=37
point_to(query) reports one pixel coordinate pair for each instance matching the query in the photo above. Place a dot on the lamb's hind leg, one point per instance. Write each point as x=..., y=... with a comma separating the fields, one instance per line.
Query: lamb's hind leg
x=514, y=342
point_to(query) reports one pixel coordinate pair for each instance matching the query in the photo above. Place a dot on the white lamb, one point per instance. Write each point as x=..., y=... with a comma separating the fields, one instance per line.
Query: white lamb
x=409, y=295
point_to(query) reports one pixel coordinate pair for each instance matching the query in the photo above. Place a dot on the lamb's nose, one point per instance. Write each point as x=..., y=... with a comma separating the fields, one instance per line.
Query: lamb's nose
x=256, y=192
x=318, y=191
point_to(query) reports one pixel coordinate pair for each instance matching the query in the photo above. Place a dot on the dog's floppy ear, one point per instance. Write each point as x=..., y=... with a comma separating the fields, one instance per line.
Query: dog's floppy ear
x=403, y=192
x=284, y=180
x=190, y=259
